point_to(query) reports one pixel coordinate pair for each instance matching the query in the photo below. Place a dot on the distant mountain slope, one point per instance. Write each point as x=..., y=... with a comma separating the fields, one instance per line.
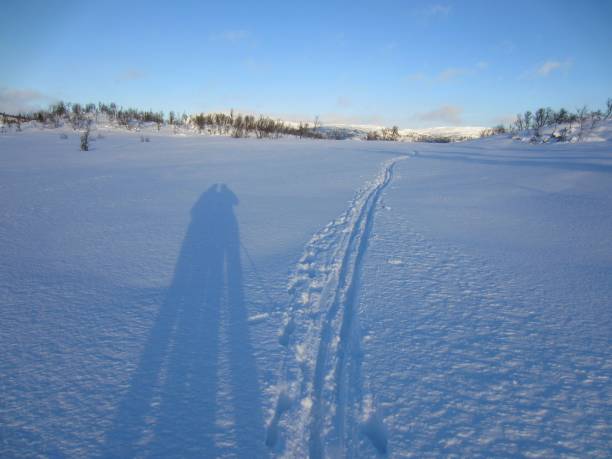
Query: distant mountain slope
x=452, y=132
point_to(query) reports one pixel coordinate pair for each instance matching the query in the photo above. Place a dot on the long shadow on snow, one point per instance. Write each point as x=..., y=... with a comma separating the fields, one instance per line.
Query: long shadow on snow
x=196, y=381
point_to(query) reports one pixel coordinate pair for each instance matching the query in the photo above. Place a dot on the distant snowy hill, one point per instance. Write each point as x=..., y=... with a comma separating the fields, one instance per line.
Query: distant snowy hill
x=471, y=132
x=408, y=134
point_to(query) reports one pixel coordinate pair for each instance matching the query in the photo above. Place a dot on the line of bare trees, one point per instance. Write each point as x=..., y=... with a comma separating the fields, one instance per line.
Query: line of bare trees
x=562, y=122
x=390, y=134
x=80, y=116
x=238, y=125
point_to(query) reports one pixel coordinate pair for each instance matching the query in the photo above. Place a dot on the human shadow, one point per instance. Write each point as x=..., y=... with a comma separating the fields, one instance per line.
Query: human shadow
x=195, y=392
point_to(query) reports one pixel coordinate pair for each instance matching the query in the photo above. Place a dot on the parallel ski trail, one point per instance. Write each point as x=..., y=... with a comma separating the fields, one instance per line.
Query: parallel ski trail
x=321, y=336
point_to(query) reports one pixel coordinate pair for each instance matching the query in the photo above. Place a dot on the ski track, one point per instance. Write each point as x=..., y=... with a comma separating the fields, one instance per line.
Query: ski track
x=320, y=398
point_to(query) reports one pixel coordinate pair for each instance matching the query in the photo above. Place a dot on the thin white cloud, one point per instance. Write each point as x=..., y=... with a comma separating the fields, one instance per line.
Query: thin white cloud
x=449, y=114
x=23, y=100
x=550, y=66
x=546, y=69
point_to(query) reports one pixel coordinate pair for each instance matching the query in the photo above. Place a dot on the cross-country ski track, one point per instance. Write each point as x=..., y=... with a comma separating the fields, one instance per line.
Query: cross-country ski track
x=320, y=382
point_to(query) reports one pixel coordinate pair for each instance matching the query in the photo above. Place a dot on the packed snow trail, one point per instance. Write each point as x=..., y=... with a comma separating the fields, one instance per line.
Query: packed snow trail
x=320, y=373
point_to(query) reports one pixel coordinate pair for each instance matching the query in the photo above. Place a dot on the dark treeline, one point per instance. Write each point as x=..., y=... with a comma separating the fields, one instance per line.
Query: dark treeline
x=390, y=134
x=81, y=116
x=393, y=135
x=238, y=125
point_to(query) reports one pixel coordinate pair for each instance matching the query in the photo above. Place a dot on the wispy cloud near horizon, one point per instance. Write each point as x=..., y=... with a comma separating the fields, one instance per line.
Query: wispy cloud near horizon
x=23, y=100
x=450, y=114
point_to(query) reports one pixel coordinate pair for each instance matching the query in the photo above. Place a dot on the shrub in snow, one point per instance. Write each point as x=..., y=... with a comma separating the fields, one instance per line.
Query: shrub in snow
x=581, y=116
x=562, y=137
x=527, y=119
x=596, y=117
x=572, y=127
x=390, y=134
x=539, y=121
x=497, y=130
x=85, y=140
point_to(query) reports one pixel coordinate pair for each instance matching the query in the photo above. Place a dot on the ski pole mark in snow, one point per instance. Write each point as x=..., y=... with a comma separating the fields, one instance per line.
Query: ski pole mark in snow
x=320, y=383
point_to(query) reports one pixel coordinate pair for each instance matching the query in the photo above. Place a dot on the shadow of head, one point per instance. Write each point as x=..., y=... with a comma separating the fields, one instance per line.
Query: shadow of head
x=218, y=198
x=213, y=222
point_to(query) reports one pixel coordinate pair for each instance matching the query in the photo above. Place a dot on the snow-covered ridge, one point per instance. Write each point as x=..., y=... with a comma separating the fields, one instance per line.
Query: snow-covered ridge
x=452, y=132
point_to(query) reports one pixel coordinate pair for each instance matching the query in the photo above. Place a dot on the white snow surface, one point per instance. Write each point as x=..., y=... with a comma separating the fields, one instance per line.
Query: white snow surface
x=214, y=297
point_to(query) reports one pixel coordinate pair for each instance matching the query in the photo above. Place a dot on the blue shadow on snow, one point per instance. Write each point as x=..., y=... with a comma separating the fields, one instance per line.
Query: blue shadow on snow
x=195, y=392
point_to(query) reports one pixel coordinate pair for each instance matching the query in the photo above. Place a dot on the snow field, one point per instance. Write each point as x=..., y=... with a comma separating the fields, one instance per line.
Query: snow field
x=196, y=296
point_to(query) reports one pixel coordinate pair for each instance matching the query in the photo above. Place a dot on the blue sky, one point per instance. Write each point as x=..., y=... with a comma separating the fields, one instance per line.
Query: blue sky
x=414, y=64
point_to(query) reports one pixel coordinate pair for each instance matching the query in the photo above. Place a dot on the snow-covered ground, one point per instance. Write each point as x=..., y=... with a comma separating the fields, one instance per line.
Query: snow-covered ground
x=213, y=297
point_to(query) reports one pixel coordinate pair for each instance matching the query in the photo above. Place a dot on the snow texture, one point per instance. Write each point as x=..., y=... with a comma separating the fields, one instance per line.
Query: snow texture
x=213, y=297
